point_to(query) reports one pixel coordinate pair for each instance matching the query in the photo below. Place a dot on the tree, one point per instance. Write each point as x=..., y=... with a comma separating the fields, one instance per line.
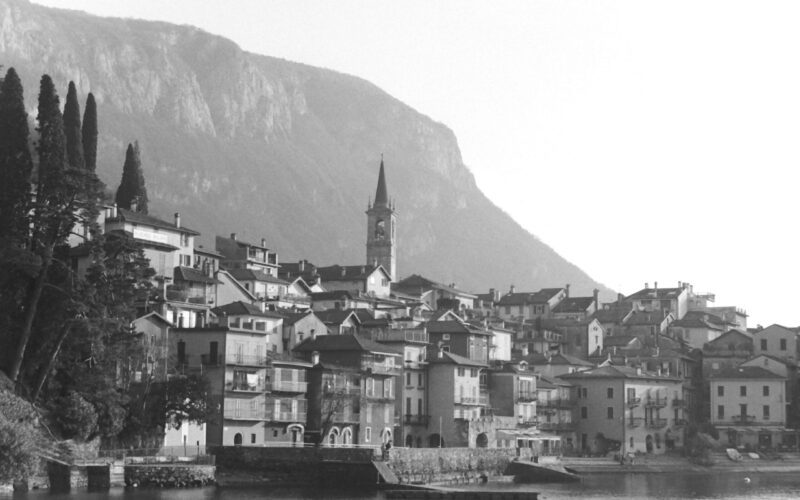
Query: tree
x=15, y=161
x=89, y=134
x=131, y=191
x=72, y=129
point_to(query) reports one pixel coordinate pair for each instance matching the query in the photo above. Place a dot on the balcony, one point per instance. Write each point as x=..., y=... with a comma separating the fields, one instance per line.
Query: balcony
x=245, y=413
x=403, y=335
x=633, y=402
x=678, y=403
x=246, y=359
x=380, y=397
x=416, y=420
x=744, y=419
x=380, y=367
x=681, y=422
x=526, y=397
x=342, y=389
x=632, y=423
x=528, y=421
x=556, y=426
x=657, y=423
x=242, y=386
x=656, y=402
x=286, y=416
x=557, y=403
x=288, y=386
x=466, y=400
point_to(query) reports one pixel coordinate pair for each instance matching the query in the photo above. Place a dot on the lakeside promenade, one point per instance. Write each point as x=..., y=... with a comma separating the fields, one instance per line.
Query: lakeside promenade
x=782, y=462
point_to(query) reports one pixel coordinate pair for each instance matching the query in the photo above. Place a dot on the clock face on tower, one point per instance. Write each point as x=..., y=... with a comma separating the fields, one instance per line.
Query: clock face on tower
x=380, y=230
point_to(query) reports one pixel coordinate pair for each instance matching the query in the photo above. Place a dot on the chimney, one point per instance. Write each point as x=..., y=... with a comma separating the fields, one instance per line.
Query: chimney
x=524, y=350
x=264, y=242
x=177, y=219
x=114, y=211
x=301, y=266
x=315, y=358
x=233, y=236
x=511, y=290
x=134, y=205
x=655, y=289
x=620, y=297
x=363, y=269
x=647, y=286
x=566, y=287
x=596, y=302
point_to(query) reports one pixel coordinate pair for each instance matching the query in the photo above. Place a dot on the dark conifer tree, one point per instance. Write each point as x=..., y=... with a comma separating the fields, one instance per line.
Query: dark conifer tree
x=131, y=190
x=72, y=129
x=89, y=133
x=15, y=160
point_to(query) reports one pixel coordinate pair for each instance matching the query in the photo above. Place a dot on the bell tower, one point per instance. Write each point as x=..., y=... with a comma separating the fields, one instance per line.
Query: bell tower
x=381, y=222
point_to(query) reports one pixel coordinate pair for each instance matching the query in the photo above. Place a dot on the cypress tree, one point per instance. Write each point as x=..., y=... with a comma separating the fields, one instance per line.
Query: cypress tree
x=89, y=133
x=72, y=128
x=15, y=160
x=131, y=187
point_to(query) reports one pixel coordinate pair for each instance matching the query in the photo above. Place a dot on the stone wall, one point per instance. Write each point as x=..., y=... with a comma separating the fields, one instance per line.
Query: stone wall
x=425, y=465
x=169, y=476
x=248, y=457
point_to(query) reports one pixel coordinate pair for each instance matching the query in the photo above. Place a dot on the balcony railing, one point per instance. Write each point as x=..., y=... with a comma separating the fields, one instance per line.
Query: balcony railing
x=678, y=403
x=379, y=396
x=246, y=359
x=416, y=419
x=634, y=422
x=744, y=419
x=467, y=400
x=556, y=426
x=288, y=386
x=633, y=401
x=528, y=421
x=243, y=386
x=526, y=396
x=403, y=335
x=681, y=422
x=379, y=367
x=556, y=403
x=656, y=402
x=657, y=423
x=286, y=416
x=245, y=413
x=344, y=389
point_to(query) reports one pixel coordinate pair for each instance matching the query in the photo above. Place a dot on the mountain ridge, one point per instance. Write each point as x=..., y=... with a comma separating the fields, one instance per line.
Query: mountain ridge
x=265, y=147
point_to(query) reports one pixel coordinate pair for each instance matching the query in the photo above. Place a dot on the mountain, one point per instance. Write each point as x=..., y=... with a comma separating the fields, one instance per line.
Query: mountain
x=239, y=142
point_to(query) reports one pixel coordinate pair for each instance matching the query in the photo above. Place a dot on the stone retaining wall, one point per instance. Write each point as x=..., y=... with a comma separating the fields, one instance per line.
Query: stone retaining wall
x=427, y=465
x=169, y=476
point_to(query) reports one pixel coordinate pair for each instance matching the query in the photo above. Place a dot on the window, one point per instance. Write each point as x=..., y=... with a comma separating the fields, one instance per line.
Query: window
x=763, y=344
x=420, y=379
x=783, y=344
x=508, y=309
x=274, y=433
x=445, y=336
x=408, y=378
x=408, y=406
x=252, y=438
x=742, y=409
x=765, y=390
x=720, y=390
x=368, y=417
x=720, y=412
x=461, y=371
x=585, y=392
x=631, y=393
x=187, y=260
x=766, y=412
x=584, y=412
x=473, y=372
x=367, y=434
x=610, y=393
x=743, y=390
x=610, y=413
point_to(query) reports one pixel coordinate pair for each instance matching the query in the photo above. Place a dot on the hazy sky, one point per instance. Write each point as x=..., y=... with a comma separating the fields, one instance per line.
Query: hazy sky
x=644, y=141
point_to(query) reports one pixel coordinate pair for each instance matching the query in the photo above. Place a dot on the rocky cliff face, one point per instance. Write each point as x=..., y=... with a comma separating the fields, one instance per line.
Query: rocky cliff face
x=265, y=147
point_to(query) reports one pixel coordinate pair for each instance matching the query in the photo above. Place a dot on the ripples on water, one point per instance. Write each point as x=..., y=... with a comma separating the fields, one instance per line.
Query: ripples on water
x=728, y=486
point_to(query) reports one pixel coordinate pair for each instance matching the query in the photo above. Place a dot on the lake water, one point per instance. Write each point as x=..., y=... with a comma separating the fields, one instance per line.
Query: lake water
x=666, y=486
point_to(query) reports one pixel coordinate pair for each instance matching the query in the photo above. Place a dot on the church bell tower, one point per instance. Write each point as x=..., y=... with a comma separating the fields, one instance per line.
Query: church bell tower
x=381, y=222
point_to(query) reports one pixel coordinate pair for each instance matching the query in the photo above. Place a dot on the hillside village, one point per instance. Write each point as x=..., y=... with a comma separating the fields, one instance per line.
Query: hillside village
x=362, y=353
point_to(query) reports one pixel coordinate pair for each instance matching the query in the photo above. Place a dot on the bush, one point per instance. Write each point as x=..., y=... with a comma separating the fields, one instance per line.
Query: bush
x=76, y=417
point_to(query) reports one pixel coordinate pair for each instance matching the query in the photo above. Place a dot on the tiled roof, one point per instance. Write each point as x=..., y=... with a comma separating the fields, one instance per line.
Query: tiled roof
x=207, y=251
x=524, y=298
x=333, y=295
x=253, y=275
x=292, y=317
x=574, y=305
x=149, y=220
x=655, y=293
x=244, y=309
x=454, y=327
x=612, y=372
x=743, y=372
x=194, y=275
x=618, y=340
x=415, y=283
x=344, y=343
x=449, y=357
x=345, y=273
x=701, y=319
x=335, y=316
x=557, y=324
x=538, y=359
x=613, y=314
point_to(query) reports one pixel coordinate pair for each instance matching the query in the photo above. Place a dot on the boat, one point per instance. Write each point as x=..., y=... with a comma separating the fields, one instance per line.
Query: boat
x=525, y=471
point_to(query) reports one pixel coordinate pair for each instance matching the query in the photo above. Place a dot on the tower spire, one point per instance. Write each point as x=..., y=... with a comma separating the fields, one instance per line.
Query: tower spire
x=381, y=194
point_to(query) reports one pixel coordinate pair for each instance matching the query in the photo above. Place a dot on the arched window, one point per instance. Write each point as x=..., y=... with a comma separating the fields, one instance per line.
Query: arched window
x=237, y=439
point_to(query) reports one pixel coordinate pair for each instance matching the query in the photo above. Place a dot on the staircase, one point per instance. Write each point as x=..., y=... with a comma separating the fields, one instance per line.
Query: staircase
x=385, y=474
